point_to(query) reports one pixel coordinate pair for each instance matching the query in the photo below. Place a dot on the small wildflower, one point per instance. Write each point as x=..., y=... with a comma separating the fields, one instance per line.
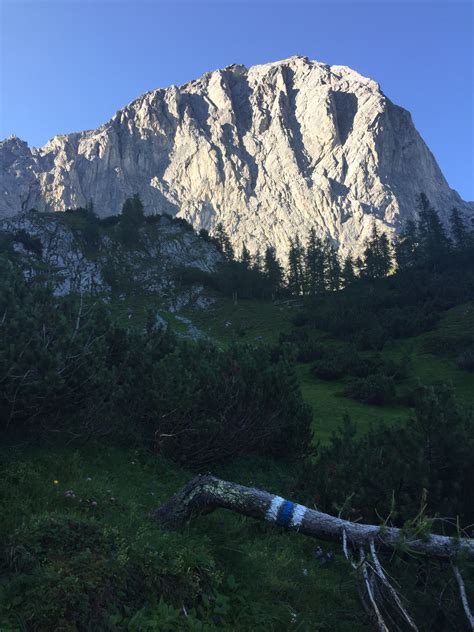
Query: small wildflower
x=94, y=503
x=133, y=462
x=55, y=482
x=69, y=494
x=88, y=478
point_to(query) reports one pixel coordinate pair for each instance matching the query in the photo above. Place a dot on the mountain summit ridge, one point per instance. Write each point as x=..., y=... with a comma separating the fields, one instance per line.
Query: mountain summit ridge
x=269, y=152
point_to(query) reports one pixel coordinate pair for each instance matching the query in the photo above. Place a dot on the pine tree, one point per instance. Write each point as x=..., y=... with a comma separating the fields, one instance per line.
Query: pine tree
x=295, y=281
x=131, y=219
x=245, y=274
x=333, y=268
x=406, y=247
x=384, y=255
x=223, y=242
x=257, y=276
x=257, y=263
x=273, y=272
x=377, y=257
x=433, y=239
x=359, y=267
x=459, y=230
x=348, y=275
x=133, y=210
x=314, y=265
x=245, y=258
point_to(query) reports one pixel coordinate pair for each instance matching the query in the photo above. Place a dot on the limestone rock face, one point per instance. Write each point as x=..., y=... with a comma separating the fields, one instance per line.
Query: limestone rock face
x=269, y=151
x=154, y=264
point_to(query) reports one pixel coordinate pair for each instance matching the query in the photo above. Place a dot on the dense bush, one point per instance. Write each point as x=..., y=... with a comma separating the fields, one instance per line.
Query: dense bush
x=193, y=276
x=373, y=389
x=51, y=367
x=393, y=470
x=409, y=320
x=85, y=225
x=334, y=362
x=465, y=360
x=67, y=369
x=110, y=220
x=220, y=404
x=154, y=218
x=331, y=367
x=448, y=344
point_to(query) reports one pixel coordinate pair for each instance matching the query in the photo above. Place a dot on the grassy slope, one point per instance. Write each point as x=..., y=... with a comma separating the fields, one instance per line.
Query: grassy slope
x=254, y=322
x=276, y=572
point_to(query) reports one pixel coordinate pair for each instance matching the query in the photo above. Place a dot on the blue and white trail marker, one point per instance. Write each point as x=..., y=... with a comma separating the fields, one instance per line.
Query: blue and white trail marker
x=285, y=512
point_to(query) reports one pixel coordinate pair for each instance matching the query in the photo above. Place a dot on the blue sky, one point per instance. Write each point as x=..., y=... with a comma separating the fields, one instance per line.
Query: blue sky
x=68, y=65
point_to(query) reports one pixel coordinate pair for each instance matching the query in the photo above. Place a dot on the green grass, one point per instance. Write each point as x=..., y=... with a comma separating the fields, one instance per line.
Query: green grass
x=247, y=321
x=261, y=322
x=269, y=576
x=132, y=310
x=329, y=406
x=430, y=368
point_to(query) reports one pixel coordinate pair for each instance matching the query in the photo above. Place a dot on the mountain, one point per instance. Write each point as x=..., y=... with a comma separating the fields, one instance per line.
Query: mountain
x=268, y=151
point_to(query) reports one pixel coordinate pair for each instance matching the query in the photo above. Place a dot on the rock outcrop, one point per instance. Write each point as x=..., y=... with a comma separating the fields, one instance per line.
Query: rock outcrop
x=268, y=151
x=155, y=264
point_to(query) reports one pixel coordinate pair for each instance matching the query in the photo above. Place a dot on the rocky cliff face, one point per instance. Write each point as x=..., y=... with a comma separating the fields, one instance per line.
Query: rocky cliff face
x=270, y=152
x=154, y=265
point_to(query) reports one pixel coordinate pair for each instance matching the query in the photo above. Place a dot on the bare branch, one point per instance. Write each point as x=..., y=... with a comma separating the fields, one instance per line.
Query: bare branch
x=393, y=593
x=463, y=594
x=370, y=592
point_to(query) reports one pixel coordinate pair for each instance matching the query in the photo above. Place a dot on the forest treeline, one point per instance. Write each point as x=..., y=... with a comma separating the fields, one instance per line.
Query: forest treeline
x=314, y=266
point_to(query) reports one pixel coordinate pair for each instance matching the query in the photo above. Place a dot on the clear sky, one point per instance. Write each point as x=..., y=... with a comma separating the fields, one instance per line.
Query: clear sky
x=68, y=65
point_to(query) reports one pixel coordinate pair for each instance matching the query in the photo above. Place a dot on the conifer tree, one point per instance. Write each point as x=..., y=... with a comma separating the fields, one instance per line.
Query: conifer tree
x=133, y=210
x=273, y=272
x=223, y=242
x=257, y=263
x=245, y=258
x=406, y=247
x=333, y=268
x=246, y=274
x=90, y=208
x=314, y=265
x=459, y=231
x=377, y=258
x=131, y=219
x=385, y=255
x=348, y=275
x=433, y=239
x=295, y=280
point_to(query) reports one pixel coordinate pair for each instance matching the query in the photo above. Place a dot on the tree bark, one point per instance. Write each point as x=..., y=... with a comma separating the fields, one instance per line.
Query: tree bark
x=204, y=494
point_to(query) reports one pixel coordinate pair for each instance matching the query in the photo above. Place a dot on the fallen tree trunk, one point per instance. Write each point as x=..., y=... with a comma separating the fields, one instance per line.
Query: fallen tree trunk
x=204, y=494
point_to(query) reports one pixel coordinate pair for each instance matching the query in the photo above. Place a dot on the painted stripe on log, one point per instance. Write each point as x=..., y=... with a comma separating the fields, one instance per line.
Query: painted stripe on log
x=272, y=512
x=298, y=515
